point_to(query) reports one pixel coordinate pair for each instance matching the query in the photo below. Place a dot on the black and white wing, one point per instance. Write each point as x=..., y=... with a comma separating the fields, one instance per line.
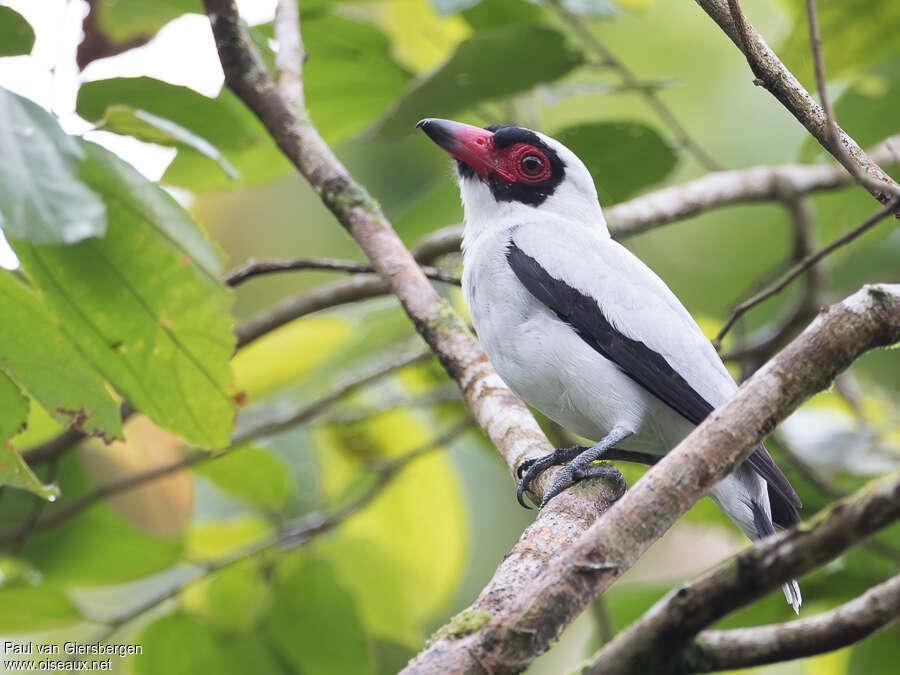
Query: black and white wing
x=642, y=328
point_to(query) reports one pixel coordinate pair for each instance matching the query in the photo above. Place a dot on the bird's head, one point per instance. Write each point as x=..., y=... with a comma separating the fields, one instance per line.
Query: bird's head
x=508, y=172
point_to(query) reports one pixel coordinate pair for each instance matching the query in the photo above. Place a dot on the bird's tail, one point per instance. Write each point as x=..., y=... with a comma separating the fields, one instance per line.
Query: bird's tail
x=743, y=496
x=762, y=521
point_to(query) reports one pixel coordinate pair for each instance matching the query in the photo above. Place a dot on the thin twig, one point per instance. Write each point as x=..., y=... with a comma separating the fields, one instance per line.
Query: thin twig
x=254, y=268
x=770, y=338
x=294, y=533
x=771, y=73
x=718, y=650
x=801, y=267
x=832, y=132
x=304, y=414
x=630, y=80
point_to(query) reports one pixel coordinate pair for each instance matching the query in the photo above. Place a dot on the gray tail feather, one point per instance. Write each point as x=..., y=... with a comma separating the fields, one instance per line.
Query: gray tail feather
x=765, y=528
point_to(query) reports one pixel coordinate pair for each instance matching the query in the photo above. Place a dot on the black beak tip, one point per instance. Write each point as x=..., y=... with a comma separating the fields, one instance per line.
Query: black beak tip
x=423, y=123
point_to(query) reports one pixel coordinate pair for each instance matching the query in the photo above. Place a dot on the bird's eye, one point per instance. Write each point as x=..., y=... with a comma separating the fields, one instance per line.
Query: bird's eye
x=531, y=166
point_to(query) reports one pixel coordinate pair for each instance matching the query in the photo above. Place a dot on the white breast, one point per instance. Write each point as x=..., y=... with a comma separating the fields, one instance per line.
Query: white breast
x=548, y=365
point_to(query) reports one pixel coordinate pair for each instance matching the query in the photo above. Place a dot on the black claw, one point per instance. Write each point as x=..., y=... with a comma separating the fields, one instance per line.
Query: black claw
x=530, y=469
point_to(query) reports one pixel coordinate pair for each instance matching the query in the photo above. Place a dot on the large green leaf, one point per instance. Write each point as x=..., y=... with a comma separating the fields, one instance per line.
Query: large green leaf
x=38, y=355
x=489, y=65
x=623, y=157
x=350, y=77
x=144, y=305
x=855, y=34
x=135, y=122
x=124, y=20
x=16, y=34
x=223, y=122
x=41, y=199
x=331, y=639
x=867, y=109
x=180, y=645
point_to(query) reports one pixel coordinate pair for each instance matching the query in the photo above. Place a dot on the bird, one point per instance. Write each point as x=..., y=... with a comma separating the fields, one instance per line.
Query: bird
x=581, y=329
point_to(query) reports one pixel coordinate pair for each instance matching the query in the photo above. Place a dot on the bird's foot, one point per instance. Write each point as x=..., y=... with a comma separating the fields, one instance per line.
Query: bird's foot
x=530, y=469
x=582, y=464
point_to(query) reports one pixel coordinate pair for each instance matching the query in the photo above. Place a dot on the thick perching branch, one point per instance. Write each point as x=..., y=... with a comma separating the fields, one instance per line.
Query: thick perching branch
x=656, y=642
x=529, y=601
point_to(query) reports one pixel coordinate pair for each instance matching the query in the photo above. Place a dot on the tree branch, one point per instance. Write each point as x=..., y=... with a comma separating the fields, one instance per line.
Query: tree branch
x=254, y=268
x=530, y=600
x=771, y=73
x=653, y=643
x=717, y=650
x=801, y=267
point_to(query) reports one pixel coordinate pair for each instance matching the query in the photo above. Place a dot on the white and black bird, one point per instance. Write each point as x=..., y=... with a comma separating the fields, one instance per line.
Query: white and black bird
x=581, y=329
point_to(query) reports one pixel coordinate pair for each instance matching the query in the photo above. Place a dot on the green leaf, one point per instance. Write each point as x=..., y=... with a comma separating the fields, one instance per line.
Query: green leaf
x=149, y=127
x=31, y=608
x=855, y=34
x=15, y=472
x=623, y=157
x=180, y=645
x=332, y=639
x=16, y=34
x=223, y=121
x=41, y=199
x=252, y=474
x=144, y=305
x=39, y=356
x=232, y=601
x=124, y=20
x=866, y=110
x=520, y=56
x=95, y=547
x=13, y=408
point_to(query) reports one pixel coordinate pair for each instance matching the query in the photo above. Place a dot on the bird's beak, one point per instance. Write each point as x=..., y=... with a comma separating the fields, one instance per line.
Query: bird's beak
x=473, y=146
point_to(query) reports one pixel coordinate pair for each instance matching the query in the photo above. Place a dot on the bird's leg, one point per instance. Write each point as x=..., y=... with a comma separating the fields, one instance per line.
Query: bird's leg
x=581, y=465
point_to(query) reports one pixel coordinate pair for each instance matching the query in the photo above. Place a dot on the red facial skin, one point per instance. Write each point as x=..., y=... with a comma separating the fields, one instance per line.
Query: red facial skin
x=475, y=147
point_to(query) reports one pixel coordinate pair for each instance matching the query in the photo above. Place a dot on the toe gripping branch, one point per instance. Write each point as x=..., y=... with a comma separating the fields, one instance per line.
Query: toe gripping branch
x=581, y=464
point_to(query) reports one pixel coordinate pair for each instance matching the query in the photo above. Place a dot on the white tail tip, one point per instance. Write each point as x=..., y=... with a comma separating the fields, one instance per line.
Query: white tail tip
x=792, y=593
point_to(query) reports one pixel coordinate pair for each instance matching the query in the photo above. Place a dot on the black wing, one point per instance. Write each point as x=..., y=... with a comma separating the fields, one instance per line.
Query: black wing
x=642, y=364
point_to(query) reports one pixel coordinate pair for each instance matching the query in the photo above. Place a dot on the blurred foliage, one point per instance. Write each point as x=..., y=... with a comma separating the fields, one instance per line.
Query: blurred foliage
x=117, y=299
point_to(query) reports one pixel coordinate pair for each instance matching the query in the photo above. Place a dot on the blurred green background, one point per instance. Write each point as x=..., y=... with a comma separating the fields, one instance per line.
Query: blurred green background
x=364, y=597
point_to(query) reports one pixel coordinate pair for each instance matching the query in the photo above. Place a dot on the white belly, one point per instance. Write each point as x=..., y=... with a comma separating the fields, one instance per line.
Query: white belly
x=548, y=366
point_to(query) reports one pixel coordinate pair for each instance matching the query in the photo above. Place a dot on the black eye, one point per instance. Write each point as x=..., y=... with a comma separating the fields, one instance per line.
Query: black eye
x=532, y=165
